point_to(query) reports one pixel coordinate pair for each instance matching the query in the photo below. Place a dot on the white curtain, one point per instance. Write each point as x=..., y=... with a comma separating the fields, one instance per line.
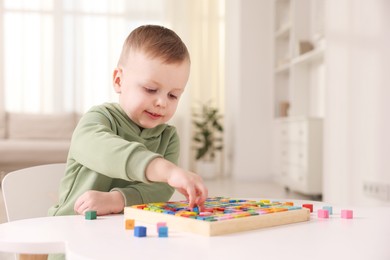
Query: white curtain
x=58, y=55
x=201, y=24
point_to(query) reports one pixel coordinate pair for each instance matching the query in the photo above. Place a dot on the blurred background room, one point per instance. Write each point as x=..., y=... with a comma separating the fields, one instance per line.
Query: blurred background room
x=299, y=89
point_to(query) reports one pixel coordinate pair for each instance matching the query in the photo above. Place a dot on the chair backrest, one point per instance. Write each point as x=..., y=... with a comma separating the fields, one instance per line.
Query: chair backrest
x=30, y=192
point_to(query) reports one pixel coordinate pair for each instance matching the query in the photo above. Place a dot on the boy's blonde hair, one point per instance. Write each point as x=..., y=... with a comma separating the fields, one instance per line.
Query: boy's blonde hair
x=156, y=42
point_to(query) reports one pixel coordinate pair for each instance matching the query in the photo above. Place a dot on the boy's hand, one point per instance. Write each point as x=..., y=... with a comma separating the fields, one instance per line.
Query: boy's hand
x=103, y=202
x=188, y=183
x=191, y=186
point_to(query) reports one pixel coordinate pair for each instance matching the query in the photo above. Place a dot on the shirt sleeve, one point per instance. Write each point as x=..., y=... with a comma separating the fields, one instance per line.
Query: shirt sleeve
x=96, y=146
x=142, y=193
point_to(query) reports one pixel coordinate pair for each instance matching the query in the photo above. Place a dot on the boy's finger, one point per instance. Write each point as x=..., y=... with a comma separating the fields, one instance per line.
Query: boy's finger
x=191, y=197
x=77, y=205
x=203, y=194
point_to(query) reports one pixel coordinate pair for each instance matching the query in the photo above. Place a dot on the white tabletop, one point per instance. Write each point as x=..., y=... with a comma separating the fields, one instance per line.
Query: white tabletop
x=366, y=236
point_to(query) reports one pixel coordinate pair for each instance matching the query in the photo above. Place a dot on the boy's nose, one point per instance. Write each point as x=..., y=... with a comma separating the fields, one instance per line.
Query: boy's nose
x=161, y=102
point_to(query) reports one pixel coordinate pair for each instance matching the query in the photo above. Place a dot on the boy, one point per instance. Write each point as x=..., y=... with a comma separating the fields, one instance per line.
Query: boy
x=125, y=154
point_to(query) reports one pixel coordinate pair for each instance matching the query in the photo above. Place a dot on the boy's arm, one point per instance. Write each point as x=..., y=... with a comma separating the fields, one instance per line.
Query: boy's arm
x=162, y=171
x=118, y=198
x=142, y=193
x=96, y=146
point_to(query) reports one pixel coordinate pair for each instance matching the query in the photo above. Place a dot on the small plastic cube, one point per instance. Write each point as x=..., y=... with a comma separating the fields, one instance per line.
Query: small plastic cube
x=323, y=213
x=129, y=224
x=328, y=208
x=346, y=213
x=308, y=206
x=140, y=231
x=163, y=231
x=161, y=224
x=90, y=215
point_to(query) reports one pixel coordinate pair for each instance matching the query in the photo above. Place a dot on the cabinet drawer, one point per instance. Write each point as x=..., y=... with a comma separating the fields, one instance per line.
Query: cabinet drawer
x=297, y=131
x=297, y=154
x=293, y=176
x=297, y=174
x=294, y=153
x=294, y=132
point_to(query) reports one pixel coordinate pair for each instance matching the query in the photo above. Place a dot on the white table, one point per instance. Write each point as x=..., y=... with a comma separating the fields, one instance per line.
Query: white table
x=366, y=236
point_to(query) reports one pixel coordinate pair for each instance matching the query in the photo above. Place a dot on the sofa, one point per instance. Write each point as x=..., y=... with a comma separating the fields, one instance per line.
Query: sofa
x=33, y=139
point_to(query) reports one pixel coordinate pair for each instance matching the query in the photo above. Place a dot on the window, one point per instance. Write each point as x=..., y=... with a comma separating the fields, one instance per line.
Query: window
x=58, y=55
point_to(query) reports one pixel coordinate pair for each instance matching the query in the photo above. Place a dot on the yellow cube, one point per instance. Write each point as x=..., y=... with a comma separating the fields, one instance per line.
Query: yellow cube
x=129, y=224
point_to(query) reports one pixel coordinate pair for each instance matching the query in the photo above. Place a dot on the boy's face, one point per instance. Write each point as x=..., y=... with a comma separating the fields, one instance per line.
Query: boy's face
x=149, y=90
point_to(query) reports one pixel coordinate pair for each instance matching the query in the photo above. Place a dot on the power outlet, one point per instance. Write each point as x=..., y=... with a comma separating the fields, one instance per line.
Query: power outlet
x=377, y=190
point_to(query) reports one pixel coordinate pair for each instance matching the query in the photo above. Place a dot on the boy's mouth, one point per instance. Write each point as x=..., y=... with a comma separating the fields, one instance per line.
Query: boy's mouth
x=153, y=115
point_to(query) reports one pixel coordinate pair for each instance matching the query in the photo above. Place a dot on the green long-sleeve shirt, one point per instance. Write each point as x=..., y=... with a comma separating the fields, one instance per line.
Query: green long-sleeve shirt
x=110, y=152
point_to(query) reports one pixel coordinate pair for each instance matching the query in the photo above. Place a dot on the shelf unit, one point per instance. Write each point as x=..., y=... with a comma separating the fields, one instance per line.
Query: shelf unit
x=299, y=87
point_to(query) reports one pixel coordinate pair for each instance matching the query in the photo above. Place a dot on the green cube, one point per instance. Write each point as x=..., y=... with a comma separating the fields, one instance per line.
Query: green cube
x=90, y=214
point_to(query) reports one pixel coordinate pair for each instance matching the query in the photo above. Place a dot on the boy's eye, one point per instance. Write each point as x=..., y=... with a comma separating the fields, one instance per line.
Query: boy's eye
x=150, y=90
x=172, y=96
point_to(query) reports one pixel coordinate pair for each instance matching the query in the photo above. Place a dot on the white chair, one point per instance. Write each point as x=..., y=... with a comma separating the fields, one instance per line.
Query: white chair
x=30, y=192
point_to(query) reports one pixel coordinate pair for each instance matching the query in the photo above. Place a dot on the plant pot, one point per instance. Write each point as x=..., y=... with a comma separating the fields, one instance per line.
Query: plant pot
x=207, y=169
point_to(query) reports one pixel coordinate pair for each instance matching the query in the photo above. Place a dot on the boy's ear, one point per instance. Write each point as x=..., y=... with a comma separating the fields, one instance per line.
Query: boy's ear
x=117, y=79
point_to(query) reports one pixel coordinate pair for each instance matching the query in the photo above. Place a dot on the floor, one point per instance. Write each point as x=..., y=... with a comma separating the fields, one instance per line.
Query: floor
x=223, y=187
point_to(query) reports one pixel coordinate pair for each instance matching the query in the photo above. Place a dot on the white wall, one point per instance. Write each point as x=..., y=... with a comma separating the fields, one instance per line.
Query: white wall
x=357, y=117
x=357, y=124
x=248, y=89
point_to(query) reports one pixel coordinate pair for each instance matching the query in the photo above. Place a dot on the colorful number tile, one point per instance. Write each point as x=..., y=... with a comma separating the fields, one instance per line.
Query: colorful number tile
x=196, y=209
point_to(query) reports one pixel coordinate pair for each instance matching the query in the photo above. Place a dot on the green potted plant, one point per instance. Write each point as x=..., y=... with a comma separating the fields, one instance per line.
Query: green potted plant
x=207, y=137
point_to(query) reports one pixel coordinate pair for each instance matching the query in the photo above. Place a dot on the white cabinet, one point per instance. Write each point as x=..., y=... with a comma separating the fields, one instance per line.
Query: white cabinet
x=299, y=89
x=298, y=159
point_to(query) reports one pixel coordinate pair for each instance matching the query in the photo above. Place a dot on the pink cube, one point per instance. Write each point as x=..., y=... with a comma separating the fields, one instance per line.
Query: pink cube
x=323, y=213
x=161, y=224
x=346, y=213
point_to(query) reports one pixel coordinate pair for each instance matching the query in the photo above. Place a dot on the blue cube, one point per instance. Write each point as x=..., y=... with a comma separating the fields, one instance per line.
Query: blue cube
x=163, y=231
x=140, y=231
